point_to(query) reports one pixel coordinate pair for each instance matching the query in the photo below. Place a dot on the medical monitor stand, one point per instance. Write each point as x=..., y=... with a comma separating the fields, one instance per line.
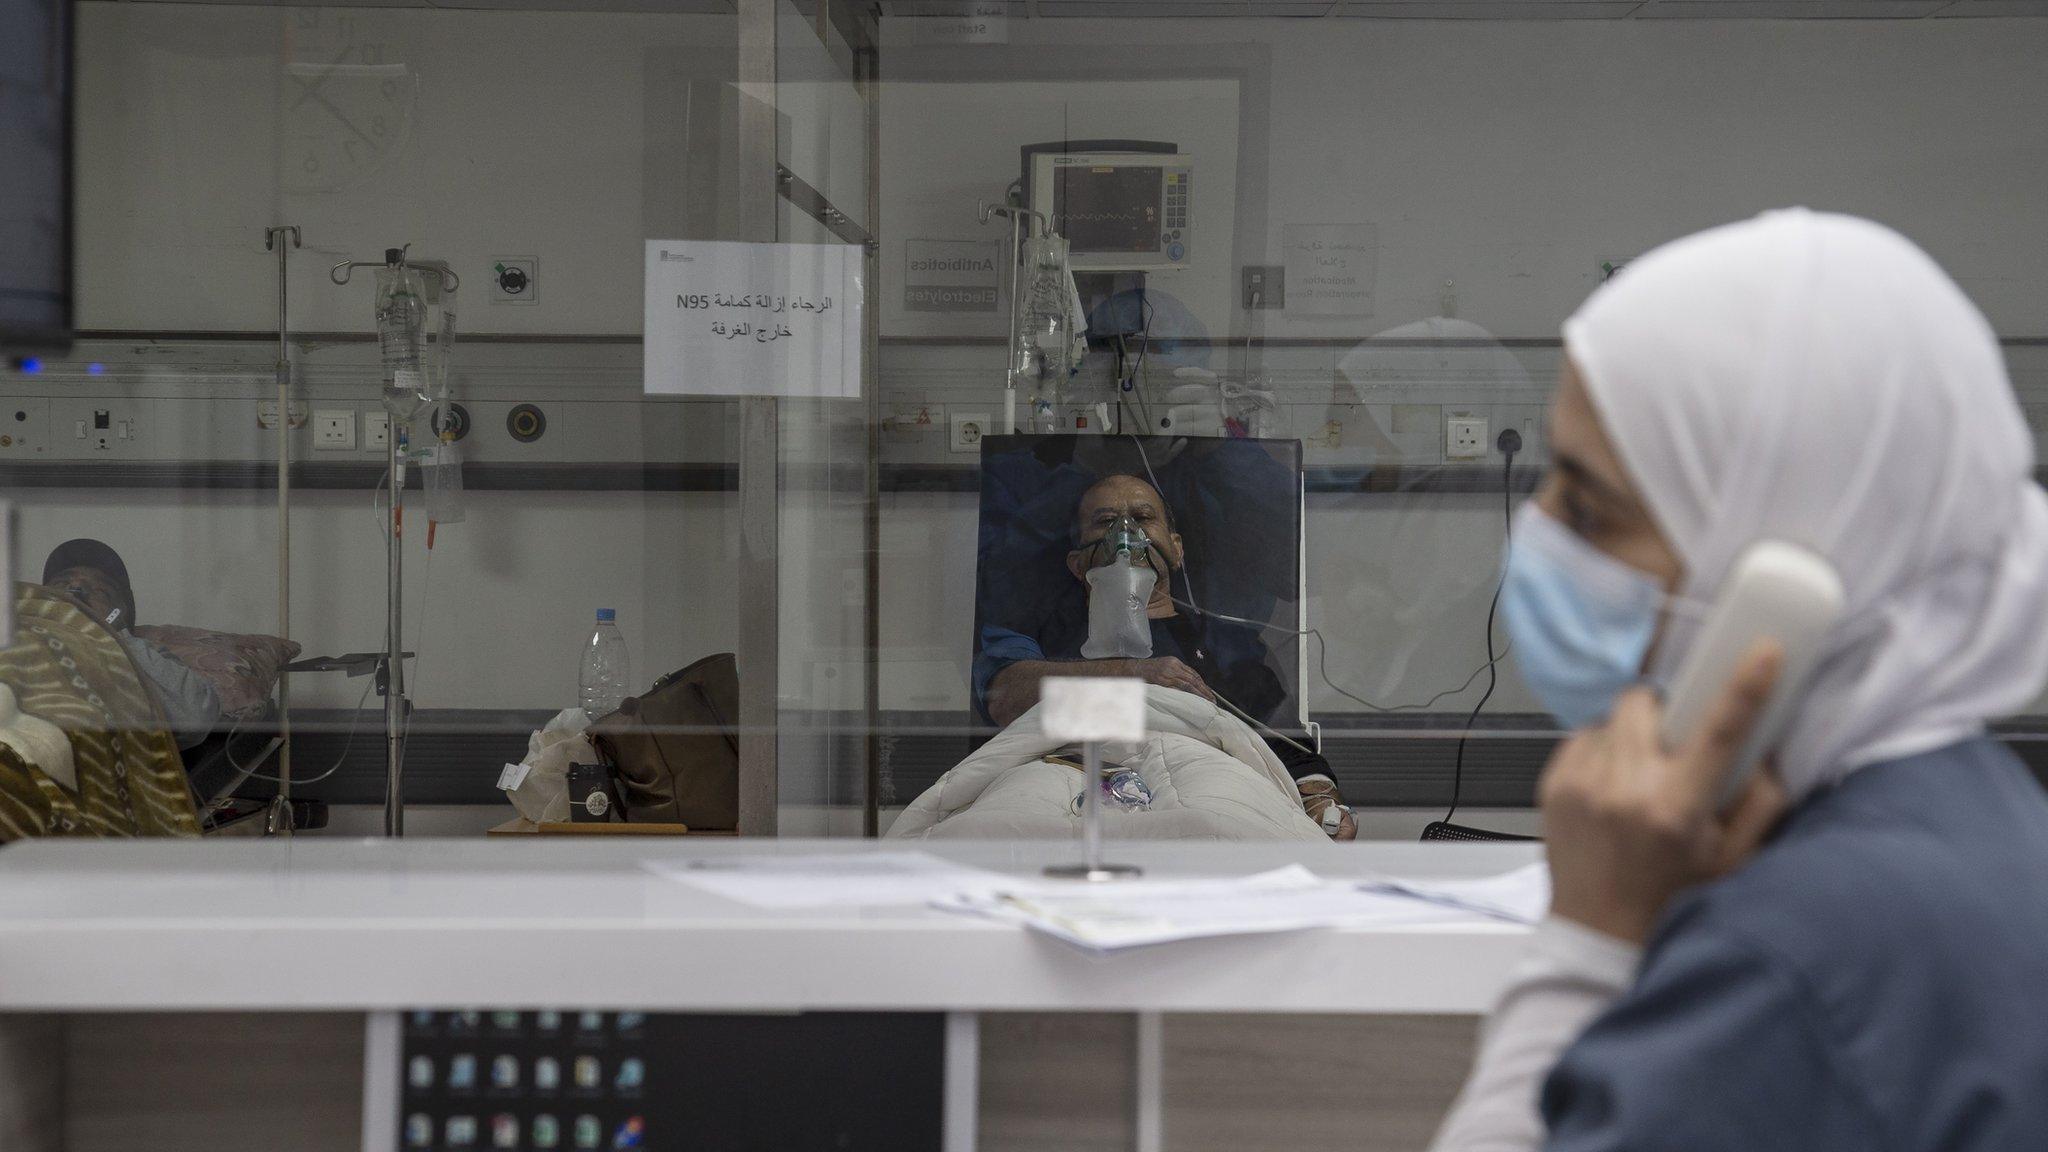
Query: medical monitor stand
x=1091, y=867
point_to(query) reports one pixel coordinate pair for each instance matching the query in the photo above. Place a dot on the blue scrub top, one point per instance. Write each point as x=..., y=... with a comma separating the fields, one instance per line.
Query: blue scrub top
x=1875, y=980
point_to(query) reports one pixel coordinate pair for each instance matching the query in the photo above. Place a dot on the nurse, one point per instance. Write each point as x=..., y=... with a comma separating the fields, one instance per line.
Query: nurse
x=1855, y=955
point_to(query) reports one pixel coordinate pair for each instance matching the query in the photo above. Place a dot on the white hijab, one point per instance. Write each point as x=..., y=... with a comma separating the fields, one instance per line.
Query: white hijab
x=1818, y=379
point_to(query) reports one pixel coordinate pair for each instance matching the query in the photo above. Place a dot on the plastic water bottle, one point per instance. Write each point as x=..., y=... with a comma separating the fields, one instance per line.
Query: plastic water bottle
x=607, y=669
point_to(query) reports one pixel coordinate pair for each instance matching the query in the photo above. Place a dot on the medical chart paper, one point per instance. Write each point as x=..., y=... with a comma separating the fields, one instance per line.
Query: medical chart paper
x=1111, y=917
x=1107, y=917
x=727, y=318
x=1521, y=896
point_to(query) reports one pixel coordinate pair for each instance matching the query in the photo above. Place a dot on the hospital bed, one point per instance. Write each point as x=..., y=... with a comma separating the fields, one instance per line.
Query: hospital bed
x=1237, y=504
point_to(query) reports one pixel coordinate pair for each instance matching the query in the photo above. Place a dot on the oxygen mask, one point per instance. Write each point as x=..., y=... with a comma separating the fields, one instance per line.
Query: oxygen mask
x=1126, y=537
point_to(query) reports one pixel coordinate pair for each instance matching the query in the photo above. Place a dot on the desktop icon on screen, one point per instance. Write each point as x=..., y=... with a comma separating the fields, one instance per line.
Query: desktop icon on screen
x=505, y=1021
x=631, y=1075
x=504, y=1130
x=419, y=1072
x=462, y=1072
x=547, y=1132
x=589, y=1073
x=589, y=1133
x=547, y=1021
x=631, y=1133
x=505, y=1072
x=547, y=1074
x=419, y=1130
x=461, y=1132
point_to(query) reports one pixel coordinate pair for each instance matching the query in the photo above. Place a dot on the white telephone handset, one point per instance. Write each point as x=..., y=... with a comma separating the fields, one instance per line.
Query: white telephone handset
x=1777, y=591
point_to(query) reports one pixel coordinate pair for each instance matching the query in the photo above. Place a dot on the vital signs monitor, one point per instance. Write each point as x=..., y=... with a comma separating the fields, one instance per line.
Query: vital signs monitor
x=1120, y=211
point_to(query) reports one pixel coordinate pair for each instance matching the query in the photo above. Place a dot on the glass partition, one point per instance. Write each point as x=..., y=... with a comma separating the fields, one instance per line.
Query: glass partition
x=1203, y=343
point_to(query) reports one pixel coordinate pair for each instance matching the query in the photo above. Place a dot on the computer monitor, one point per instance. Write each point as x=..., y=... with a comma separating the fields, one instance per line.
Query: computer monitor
x=36, y=309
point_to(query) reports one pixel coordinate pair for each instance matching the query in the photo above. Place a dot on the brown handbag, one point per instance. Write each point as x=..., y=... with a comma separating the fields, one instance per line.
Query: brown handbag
x=675, y=751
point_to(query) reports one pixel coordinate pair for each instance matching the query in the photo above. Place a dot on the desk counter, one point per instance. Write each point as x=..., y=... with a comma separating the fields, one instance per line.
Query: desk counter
x=312, y=924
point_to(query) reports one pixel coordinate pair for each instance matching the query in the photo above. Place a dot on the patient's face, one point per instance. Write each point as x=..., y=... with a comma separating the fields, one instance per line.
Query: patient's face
x=1100, y=508
x=91, y=588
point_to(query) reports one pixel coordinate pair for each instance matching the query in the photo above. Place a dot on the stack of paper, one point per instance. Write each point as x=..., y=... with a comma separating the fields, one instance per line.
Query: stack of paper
x=1116, y=915
x=1132, y=913
x=1521, y=896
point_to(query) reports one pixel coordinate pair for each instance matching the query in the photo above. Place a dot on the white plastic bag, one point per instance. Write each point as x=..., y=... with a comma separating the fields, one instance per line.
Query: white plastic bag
x=541, y=793
x=1117, y=625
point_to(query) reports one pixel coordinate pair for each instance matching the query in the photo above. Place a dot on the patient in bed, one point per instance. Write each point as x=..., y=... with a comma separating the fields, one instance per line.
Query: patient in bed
x=94, y=576
x=1221, y=661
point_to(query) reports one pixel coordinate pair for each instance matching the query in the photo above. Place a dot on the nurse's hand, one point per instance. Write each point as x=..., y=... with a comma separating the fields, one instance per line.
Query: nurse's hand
x=1627, y=825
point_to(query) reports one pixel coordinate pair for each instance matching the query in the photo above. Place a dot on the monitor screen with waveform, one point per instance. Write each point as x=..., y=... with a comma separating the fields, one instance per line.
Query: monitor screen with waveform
x=1108, y=209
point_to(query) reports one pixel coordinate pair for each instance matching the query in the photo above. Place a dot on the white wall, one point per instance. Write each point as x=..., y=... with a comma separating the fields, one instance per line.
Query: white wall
x=1511, y=157
x=1507, y=157
x=516, y=133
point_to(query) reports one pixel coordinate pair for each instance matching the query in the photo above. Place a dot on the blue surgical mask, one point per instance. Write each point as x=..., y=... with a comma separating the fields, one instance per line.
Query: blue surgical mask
x=1580, y=620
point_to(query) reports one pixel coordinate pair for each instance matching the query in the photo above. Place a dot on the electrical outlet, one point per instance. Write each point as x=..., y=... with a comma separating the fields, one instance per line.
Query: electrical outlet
x=968, y=429
x=515, y=279
x=1465, y=437
x=334, y=429
x=1264, y=286
x=377, y=430
x=266, y=414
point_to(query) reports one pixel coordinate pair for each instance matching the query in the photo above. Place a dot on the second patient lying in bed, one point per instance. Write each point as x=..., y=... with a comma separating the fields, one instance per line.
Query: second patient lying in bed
x=1192, y=652
x=93, y=574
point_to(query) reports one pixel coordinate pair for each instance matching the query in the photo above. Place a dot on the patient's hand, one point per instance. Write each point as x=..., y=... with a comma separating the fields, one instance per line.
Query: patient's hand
x=1165, y=671
x=1015, y=688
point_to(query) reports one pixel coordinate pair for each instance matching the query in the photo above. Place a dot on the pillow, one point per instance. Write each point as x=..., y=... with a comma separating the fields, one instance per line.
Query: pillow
x=242, y=668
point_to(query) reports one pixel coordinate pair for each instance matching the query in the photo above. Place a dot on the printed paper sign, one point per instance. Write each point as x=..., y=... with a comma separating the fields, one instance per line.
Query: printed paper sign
x=726, y=318
x=1331, y=268
x=951, y=275
x=1092, y=708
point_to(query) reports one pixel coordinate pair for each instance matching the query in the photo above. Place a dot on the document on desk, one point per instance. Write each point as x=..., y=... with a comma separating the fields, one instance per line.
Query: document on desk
x=824, y=880
x=1521, y=896
x=1134, y=913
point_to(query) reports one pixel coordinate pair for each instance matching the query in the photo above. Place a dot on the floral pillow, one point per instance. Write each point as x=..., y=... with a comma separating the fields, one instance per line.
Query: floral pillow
x=242, y=668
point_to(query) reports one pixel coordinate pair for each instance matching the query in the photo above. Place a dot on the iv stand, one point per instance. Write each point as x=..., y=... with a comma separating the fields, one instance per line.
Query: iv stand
x=1091, y=867
x=279, y=820
x=1019, y=218
x=392, y=675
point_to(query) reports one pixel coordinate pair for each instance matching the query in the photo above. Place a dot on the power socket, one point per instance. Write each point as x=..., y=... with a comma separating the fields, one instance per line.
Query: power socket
x=377, y=430
x=334, y=430
x=1465, y=437
x=1262, y=286
x=968, y=429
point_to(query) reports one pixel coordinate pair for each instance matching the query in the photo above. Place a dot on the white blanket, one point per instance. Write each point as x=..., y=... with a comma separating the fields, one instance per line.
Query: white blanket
x=1211, y=777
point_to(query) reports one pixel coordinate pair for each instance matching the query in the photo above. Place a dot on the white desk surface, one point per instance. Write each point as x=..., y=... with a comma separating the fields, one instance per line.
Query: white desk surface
x=313, y=924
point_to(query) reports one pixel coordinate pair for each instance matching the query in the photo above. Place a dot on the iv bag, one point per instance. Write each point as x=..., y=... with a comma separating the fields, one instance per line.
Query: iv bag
x=402, y=339
x=442, y=341
x=1117, y=626
x=441, y=477
x=1047, y=321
